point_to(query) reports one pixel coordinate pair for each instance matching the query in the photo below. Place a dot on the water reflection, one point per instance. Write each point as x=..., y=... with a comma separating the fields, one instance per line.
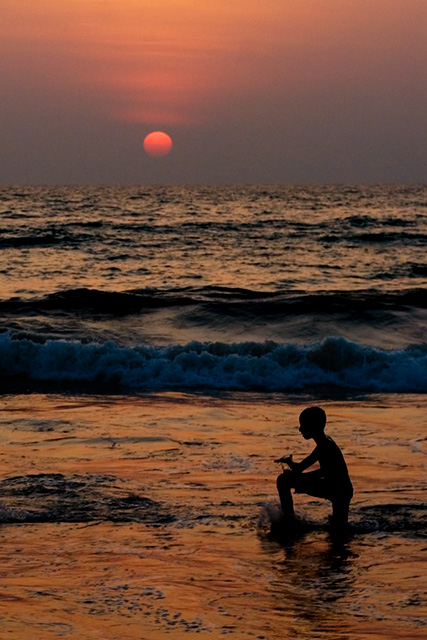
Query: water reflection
x=313, y=573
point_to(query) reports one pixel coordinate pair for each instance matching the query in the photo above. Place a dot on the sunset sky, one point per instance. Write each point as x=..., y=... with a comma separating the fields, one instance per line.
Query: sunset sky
x=251, y=91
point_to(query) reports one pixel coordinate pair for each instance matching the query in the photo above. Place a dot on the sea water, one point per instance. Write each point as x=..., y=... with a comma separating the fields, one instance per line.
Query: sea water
x=156, y=348
x=234, y=288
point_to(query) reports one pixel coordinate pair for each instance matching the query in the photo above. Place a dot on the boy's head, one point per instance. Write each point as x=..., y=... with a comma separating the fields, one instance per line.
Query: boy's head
x=312, y=421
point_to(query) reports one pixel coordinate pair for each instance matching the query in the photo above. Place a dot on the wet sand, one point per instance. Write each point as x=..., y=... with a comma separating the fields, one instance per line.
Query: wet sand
x=149, y=517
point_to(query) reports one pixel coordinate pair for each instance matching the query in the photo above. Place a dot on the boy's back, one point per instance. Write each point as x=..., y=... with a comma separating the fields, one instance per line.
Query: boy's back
x=333, y=466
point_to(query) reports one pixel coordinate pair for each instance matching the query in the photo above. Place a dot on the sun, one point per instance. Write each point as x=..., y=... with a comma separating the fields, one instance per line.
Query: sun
x=157, y=144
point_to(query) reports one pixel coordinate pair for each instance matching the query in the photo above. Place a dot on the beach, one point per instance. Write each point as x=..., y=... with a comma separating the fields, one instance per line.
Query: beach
x=213, y=217
x=148, y=516
x=157, y=345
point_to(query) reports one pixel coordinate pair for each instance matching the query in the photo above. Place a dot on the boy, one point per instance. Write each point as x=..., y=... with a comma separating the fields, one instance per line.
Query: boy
x=331, y=481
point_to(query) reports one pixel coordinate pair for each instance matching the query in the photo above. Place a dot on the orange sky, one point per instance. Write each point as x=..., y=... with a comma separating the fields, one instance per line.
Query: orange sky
x=179, y=64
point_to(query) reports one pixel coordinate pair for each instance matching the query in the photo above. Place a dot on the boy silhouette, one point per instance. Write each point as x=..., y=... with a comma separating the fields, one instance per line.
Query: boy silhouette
x=331, y=481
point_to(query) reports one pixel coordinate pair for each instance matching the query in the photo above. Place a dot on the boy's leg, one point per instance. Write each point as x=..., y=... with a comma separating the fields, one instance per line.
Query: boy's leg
x=311, y=483
x=340, y=508
x=284, y=484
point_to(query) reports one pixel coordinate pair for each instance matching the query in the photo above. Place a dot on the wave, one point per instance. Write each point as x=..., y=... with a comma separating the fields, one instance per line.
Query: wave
x=226, y=300
x=379, y=237
x=371, y=221
x=50, y=238
x=403, y=270
x=269, y=366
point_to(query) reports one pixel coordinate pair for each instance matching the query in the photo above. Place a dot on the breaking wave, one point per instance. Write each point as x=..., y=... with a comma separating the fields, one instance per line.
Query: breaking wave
x=268, y=366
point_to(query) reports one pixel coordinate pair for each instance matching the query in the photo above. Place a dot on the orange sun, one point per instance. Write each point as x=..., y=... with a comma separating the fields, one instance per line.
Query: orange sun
x=158, y=144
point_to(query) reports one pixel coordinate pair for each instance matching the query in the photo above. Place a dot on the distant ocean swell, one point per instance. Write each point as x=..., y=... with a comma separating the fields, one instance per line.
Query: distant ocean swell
x=65, y=238
x=269, y=366
x=220, y=299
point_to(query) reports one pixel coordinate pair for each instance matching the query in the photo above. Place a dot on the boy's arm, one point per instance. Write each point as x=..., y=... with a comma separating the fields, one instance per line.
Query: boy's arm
x=300, y=466
x=307, y=462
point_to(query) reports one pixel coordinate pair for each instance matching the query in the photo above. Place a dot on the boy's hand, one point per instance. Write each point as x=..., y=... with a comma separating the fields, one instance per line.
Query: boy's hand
x=285, y=459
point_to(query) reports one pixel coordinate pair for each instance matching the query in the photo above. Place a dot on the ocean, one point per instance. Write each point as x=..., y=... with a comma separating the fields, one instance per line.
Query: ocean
x=156, y=347
x=233, y=288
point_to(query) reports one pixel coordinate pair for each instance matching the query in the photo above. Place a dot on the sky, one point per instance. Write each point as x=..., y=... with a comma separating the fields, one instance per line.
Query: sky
x=250, y=91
